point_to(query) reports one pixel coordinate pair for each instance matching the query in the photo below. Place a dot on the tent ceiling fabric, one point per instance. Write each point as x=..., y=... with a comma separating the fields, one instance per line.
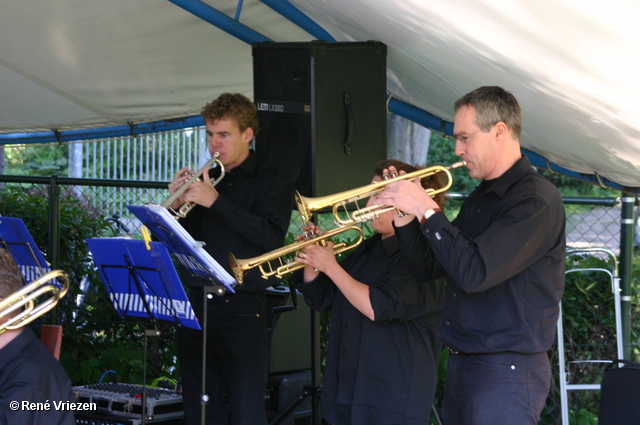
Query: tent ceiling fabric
x=573, y=65
x=72, y=64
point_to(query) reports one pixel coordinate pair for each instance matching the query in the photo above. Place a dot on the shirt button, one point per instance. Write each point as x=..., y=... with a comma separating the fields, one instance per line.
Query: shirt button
x=479, y=210
x=226, y=301
x=455, y=295
x=448, y=322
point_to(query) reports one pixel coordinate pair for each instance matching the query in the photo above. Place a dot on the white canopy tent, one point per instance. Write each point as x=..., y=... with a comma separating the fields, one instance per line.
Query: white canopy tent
x=81, y=69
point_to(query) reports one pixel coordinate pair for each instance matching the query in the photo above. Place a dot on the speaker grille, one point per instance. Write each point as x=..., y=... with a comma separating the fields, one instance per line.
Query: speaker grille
x=286, y=142
x=301, y=92
x=282, y=74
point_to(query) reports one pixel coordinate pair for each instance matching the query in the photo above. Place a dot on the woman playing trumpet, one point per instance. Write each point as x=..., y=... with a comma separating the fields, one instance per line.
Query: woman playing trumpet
x=384, y=344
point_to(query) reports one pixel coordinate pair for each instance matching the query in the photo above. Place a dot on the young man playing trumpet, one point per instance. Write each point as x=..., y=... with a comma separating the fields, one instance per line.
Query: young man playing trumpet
x=247, y=213
x=385, y=326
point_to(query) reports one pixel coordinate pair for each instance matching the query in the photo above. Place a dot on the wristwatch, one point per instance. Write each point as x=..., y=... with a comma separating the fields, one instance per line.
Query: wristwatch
x=431, y=211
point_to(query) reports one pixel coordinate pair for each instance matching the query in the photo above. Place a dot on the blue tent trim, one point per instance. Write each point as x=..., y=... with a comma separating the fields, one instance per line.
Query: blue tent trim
x=246, y=34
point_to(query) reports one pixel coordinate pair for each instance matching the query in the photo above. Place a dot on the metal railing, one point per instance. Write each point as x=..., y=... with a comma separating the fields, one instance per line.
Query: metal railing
x=591, y=222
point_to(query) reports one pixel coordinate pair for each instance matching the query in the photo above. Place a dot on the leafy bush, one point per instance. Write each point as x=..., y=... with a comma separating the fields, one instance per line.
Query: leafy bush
x=441, y=152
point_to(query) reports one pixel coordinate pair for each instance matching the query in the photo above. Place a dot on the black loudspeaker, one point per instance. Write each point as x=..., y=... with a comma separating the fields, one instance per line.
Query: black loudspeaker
x=322, y=111
x=283, y=390
x=619, y=394
x=289, y=332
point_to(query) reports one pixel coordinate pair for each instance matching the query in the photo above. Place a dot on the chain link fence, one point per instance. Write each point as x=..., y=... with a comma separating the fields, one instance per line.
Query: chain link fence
x=97, y=340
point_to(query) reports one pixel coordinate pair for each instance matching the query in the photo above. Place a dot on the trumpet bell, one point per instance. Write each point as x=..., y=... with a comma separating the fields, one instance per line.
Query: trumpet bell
x=185, y=208
x=339, y=201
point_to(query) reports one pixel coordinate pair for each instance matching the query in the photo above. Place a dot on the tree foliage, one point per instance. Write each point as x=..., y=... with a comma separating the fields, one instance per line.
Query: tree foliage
x=36, y=160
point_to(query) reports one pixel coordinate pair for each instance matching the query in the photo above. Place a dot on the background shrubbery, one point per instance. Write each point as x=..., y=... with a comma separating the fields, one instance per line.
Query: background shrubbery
x=95, y=339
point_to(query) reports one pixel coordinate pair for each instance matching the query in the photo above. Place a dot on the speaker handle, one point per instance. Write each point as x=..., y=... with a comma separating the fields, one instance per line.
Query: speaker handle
x=347, y=105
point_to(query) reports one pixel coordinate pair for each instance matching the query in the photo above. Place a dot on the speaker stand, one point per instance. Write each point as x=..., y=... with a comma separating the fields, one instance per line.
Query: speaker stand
x=147, y=333
x=314, y=389
x=208, y=292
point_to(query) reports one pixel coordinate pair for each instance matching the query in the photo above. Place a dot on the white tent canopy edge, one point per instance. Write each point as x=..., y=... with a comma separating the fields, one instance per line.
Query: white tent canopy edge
x=417, y=81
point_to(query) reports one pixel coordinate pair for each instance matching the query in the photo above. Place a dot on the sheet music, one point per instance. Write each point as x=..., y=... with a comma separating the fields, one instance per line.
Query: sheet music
x=15, y=237
x=180, y=243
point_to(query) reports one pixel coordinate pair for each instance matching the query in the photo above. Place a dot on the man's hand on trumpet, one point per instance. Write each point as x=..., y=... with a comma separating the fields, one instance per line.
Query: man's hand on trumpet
x=199, y=192
x=179, y=179
x=407, y=196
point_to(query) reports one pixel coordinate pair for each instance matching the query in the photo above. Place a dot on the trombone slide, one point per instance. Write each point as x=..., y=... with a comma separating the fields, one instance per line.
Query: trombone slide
x=25, y=299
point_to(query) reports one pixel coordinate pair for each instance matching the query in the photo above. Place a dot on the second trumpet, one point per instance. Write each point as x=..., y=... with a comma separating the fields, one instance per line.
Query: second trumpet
x=263, y=262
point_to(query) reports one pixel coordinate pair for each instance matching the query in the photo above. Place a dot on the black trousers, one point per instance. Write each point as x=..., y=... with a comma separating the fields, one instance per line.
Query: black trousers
x=500, y=388
x=236, y=363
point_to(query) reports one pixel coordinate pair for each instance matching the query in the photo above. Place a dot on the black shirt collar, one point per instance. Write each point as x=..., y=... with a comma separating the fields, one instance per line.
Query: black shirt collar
x=250, y=164
x=391, y=244
x=501, y=184
x=15, y=347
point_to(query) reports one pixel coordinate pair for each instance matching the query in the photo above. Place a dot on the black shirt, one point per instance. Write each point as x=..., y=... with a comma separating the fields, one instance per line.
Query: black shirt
x=29, y=372
x=250, y=217
x=384, y=371
x=504, y=255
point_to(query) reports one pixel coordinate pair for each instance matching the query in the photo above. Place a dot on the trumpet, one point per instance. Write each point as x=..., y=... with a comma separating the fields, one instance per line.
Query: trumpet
x=188, y=206
x=263, y=262
x=25, y=299
x=307, y=206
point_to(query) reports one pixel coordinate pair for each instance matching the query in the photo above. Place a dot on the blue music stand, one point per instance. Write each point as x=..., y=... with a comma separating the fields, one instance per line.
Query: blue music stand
x=181, y=244
x=15, y=237
x=142, y=282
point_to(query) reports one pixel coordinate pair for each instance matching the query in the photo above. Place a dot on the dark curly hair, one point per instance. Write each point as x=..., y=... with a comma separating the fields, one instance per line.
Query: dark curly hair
x=233, y=105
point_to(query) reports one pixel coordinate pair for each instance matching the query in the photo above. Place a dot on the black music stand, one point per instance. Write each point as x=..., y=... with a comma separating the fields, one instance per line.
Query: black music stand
x=191, y=254
x=15, y=237
x=142, y=283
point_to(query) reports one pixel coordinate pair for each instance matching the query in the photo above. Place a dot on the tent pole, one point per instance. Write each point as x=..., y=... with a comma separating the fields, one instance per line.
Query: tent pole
x=627, y=225
x=294, y=14
x=220, y=20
